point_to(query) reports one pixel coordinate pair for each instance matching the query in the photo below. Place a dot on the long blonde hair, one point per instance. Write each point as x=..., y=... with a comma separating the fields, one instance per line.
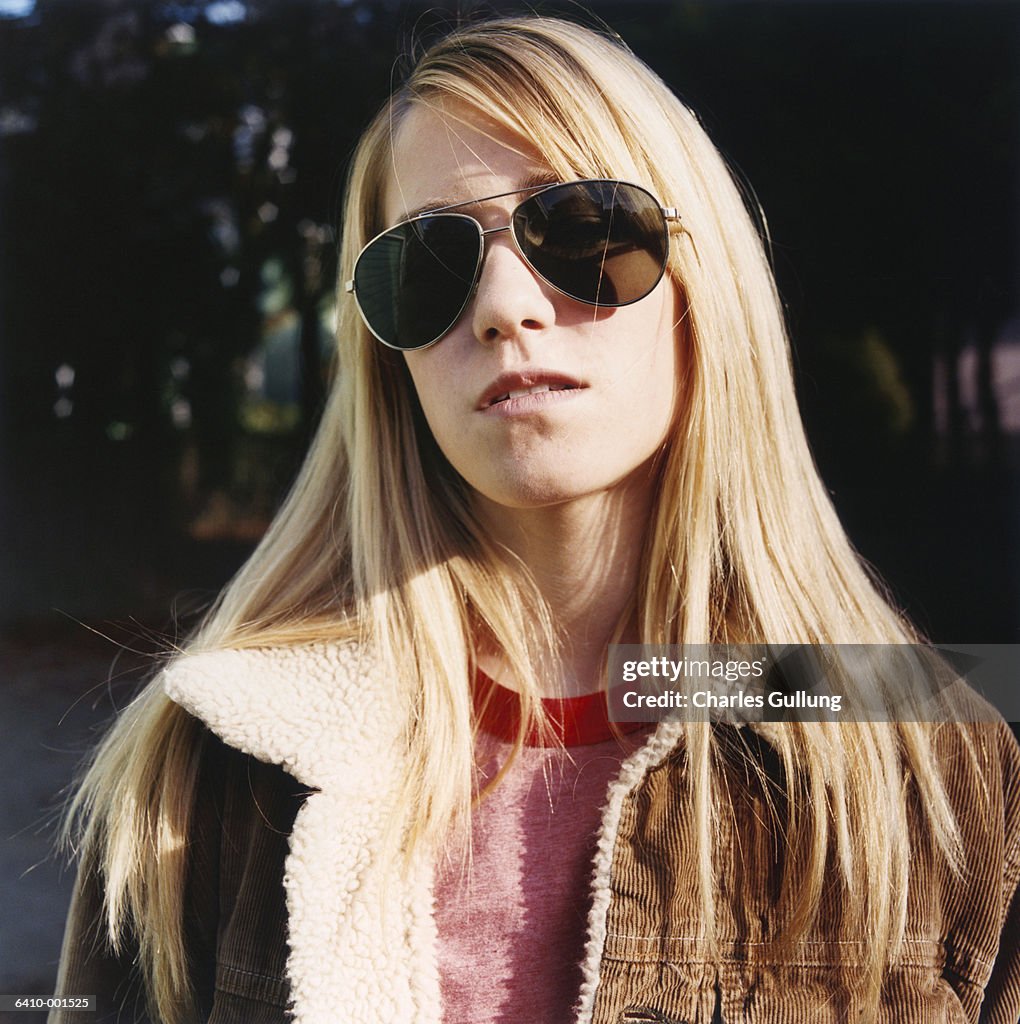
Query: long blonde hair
x=376, y=542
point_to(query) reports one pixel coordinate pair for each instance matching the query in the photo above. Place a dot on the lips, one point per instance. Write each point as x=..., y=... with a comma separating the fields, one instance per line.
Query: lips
x=519, y=383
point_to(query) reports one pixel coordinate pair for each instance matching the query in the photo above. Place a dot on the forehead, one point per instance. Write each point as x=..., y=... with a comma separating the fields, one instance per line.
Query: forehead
x=448, y=154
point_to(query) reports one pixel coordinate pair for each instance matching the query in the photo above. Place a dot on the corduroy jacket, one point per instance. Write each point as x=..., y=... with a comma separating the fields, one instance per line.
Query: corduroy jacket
x=289, y=916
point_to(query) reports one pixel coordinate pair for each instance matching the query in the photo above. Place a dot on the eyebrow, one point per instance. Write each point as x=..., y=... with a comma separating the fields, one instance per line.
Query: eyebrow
x=534, y=181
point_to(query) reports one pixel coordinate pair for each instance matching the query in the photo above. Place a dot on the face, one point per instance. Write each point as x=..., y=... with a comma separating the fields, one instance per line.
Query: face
x=535, y=398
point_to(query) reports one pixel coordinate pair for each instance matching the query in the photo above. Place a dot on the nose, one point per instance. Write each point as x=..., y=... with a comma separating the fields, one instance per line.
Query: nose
x=510, y=298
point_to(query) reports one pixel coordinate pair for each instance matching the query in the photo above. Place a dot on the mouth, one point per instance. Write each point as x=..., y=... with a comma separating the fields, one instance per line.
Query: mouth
x=508, y=387
x=538, y=389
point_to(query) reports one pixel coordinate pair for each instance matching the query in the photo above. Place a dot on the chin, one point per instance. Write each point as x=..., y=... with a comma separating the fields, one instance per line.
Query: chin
x=542, y=491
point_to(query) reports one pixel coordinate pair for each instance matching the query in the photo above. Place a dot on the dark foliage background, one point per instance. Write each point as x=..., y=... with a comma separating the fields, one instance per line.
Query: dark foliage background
x=170, y=176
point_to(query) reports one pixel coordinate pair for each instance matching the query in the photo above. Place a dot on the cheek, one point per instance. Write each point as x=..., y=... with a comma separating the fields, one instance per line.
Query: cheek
x=429, y=380
x=654, y=367
x=420, y=375
x=673, y=348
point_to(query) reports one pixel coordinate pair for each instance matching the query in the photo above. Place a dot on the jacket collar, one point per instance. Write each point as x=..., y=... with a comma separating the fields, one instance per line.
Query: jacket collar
x=318, y=711
x=361, y=935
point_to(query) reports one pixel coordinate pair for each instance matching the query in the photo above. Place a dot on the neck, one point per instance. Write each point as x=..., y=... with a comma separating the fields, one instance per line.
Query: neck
x=584, y=555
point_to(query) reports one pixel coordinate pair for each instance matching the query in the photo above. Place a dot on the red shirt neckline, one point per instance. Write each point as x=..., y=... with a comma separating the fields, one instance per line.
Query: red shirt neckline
x=576, y=721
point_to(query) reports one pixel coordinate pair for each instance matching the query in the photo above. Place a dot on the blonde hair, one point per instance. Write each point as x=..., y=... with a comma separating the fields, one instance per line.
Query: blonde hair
x=377, y=544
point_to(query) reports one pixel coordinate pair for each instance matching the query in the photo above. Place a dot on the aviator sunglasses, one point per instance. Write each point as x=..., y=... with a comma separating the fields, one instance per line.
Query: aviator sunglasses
x=599, y=241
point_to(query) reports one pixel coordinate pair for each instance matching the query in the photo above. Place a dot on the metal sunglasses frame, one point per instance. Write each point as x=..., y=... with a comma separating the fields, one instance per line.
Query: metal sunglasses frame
x=670, y=215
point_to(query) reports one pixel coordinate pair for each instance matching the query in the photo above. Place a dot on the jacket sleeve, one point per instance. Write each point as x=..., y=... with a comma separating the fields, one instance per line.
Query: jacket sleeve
x=1001, y=1004
x=88, y=964
x=89, y=967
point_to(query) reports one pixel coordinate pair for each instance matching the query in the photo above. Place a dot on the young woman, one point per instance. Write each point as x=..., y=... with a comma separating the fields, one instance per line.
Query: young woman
x=377, y=787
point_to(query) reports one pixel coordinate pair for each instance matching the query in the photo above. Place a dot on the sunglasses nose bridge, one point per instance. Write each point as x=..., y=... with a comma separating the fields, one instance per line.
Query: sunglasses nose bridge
x=483, y=232
x=517, y=248
x=516, y=245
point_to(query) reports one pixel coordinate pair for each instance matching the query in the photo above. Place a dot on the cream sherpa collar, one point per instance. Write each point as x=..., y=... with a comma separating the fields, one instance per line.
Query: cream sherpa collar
x=362, y=943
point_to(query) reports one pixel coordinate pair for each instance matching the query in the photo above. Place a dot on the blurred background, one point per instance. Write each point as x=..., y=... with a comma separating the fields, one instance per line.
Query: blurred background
x=170, y=185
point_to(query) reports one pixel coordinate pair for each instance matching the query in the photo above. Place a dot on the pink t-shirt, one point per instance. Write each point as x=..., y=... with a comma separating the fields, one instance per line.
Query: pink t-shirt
x=513, y=924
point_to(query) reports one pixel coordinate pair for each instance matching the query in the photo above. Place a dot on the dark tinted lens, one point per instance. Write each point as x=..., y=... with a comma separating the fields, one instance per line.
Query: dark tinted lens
x=412, y=282
x=603, y=242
